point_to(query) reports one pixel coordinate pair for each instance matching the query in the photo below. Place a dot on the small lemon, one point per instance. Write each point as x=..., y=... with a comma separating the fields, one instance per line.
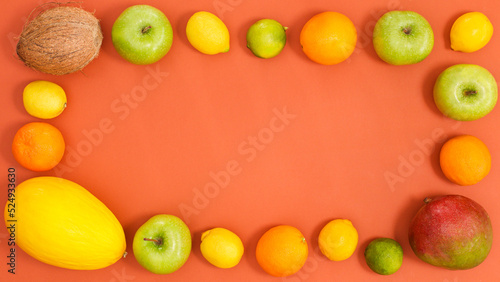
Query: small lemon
x=266, y=38
x=207, y=33
x=221, y=247
x=44, y=99
x=470, y=32
x=338, y=239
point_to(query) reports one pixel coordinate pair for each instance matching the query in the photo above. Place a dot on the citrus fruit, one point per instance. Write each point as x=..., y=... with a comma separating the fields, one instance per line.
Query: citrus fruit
x=384, y=256
x=465, y=160
x=221, y=247
x=266, y=38
x=282, y=251
x=44, y=99
x=328, y=38
x=207, y=33
x=470, y=32
x=38, y=146
x=338, y=239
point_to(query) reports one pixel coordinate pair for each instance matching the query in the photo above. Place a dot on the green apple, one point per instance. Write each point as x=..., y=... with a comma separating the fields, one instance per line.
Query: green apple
x=465, y=92
x=162, y=245
x=402, y=38
x=142, y=34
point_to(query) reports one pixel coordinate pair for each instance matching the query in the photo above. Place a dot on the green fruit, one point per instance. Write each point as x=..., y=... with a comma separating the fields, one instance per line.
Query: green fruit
x=163, y=244
x=266, y=38
x=402, y=38
x=465, y=92
x=384, y=256
x=142, y=34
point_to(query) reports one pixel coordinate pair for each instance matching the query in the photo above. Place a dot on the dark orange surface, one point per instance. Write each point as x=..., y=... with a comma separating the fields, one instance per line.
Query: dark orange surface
x=348, y=127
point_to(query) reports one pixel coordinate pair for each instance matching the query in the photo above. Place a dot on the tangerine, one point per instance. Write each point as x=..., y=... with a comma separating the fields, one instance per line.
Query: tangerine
x=38, y=146
x=328, y=38
x=465, y=160
x=282, y=251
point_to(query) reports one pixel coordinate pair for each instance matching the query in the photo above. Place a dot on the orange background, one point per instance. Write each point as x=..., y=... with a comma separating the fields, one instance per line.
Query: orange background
x=353, y=124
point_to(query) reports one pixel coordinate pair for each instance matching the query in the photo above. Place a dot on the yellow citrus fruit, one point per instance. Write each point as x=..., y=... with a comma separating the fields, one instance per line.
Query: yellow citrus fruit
x=470, y=32
x=465, y=160
x=44, y=99
x=207, y=33
x=282, y=251
x=328, y=38
x=221, y=247
x=338, y=239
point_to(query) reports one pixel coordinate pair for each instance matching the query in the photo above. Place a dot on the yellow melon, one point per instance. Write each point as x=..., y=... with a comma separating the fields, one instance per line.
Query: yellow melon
x=60, y=223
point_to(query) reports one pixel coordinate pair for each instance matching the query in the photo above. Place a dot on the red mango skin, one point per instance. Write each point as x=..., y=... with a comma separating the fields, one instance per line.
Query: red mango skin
x=452, y=232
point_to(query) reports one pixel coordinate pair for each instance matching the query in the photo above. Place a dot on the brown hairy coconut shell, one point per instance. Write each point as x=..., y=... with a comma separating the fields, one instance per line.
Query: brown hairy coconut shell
x=60, y=40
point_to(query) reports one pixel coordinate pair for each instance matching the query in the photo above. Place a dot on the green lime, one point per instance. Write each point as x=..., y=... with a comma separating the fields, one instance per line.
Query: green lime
x=384, y=256
x=266, y=38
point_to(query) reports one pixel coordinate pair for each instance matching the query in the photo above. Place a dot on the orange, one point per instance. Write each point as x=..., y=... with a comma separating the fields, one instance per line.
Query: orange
x=38, y=146
x=328, y=38
x=465, y=160
x=282, y=251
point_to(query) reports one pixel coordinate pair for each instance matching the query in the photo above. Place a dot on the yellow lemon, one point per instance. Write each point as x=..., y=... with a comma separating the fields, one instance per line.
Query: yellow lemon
x=44, y=99
x=221, y=247
x=338, y=239
x=470, y=32
x=207, y=33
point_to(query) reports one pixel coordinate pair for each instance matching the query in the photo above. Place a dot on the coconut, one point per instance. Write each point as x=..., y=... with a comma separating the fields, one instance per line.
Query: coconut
x=60, y=40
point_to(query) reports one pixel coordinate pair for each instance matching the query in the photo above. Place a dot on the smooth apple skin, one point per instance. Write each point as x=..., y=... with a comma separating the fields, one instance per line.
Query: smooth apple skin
x=455, y=81
x=168, y=257
x=138, y=47
x=395, y=47
x=452, y=232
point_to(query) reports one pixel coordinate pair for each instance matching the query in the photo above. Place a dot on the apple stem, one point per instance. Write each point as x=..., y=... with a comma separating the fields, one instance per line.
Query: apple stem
x=156, y=241
x=470, y=92
x=145, y=29
x=407, y=30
